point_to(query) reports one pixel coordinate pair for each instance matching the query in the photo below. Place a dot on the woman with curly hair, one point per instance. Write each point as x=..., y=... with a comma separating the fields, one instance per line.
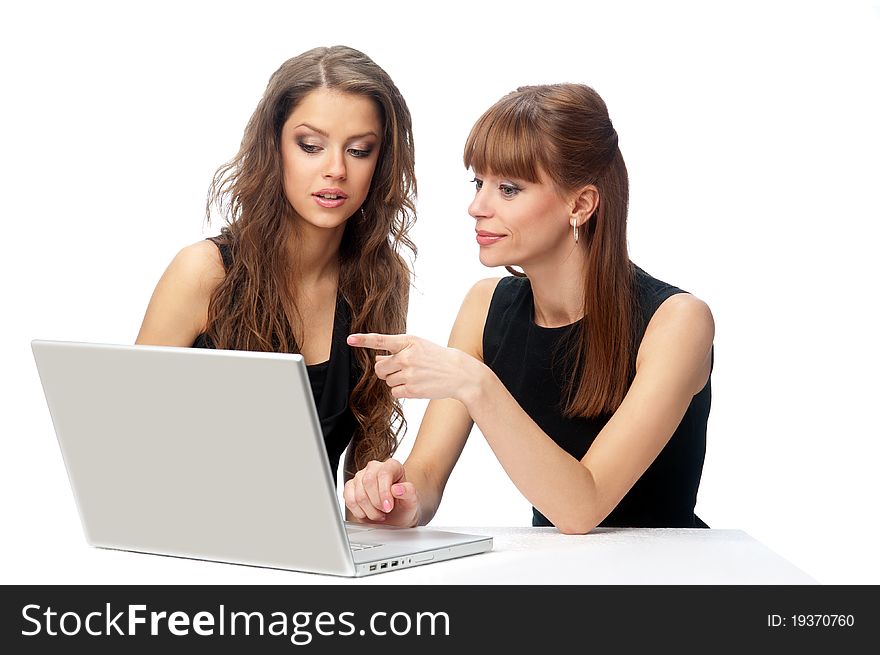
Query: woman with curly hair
x=317, y=207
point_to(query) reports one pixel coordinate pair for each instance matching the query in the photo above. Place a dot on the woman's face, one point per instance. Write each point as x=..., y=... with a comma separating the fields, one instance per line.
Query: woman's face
x=329, y=149
x=518, y=222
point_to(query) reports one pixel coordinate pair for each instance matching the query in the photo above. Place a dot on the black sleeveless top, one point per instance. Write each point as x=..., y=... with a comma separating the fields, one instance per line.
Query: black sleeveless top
x=527, y=359
x=331, y=381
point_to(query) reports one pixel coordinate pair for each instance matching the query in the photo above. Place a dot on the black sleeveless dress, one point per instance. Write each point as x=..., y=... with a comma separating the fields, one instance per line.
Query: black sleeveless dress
x=526, y=358
x=331, y=381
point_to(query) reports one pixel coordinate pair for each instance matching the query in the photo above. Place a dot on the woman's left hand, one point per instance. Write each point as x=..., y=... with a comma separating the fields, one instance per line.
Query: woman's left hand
x=417, y=368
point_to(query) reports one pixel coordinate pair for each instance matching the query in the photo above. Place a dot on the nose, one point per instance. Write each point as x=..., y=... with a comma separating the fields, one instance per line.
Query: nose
x=335, y=166
x=479, y=207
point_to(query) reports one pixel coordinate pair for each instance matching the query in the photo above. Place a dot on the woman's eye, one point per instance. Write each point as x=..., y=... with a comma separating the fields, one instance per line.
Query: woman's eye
x=478, y=182
x=309, y=147
x=509, y=190
x=360, y=154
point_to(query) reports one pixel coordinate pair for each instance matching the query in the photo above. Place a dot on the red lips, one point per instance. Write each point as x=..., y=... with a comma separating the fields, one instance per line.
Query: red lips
x=331, y=191
x=485, y=238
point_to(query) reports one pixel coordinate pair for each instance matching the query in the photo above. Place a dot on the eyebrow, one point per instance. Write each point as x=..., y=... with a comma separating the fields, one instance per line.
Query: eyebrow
x=324, y=134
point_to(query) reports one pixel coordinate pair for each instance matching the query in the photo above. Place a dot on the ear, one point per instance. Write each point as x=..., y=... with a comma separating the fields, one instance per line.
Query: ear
x=584, y=205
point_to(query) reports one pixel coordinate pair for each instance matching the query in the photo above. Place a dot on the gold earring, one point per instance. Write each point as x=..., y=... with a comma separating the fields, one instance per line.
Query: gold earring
x=575, y=226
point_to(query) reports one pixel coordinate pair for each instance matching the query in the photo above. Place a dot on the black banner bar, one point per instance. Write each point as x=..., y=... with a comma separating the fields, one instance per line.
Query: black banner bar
x=319, y=619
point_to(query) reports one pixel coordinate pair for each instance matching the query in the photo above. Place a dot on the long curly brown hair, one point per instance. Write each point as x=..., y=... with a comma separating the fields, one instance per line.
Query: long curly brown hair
x=249, y=309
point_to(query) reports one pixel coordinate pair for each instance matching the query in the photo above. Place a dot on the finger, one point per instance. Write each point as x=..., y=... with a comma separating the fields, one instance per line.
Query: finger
x=371, y=512
x=363, y=500
x=405, y=494
x=387, y=367
x=386, y=478
x=351, y=502
x=395, y=379
x=393, y=343
x=371, y=485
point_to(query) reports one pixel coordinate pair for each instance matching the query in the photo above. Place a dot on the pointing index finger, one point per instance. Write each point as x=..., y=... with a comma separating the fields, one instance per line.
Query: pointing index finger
x=393, y=343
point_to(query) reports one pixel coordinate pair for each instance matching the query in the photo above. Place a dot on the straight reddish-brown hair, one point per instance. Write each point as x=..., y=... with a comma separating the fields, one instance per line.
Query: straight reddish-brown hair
x=564, y=132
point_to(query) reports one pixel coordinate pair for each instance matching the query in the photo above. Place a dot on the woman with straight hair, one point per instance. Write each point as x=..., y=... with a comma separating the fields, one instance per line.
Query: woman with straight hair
x=317, y=207
x=588, y=377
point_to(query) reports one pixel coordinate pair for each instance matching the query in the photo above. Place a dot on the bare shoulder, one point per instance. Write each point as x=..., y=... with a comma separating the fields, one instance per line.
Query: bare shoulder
x=680, y=335
x=178, y=309
x=685, y=312
x=467, y=333
x=480, y=295
x=475, y=305
x=198, y=264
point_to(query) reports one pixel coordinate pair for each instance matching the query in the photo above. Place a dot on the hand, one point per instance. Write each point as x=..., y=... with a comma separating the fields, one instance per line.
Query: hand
x=380, y=493
x=417, y=368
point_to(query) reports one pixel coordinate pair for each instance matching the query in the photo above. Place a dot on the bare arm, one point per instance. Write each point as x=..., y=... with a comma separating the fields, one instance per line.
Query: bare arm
x=442, y=435
x=447, y=422
x=672, y=365
x=178, y=310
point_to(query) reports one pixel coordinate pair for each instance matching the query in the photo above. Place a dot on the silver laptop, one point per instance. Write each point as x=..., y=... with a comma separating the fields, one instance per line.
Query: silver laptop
x=215, y=455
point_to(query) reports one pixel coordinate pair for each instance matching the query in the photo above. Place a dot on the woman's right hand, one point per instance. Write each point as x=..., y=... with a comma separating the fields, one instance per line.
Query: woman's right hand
x=380, y=493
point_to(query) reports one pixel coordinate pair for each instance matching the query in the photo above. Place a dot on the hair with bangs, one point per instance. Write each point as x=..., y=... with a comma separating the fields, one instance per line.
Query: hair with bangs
x=565, y=131
x=504, y=141
x=251, y=308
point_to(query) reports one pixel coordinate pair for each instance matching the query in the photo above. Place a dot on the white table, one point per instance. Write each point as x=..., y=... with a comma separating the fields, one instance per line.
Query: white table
x=521, y=555
x=611, y=556
x=622, y=556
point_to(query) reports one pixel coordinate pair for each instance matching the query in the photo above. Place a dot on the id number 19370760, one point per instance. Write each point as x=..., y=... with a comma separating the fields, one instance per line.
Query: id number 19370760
x=811, y=621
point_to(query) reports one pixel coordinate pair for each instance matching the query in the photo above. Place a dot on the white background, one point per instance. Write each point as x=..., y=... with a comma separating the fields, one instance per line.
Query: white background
x=751, y=136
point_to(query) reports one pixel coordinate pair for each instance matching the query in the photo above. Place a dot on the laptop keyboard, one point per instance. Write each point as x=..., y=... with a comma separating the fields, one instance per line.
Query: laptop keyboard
x=353, y=529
